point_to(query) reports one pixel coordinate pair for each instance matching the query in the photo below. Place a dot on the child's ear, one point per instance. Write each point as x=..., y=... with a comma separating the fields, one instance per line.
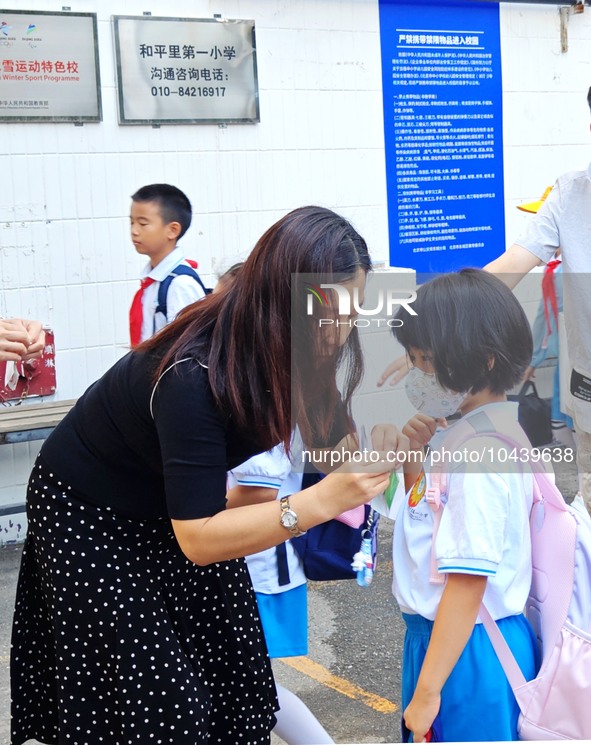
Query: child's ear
x=174, y=229
x=491, y=362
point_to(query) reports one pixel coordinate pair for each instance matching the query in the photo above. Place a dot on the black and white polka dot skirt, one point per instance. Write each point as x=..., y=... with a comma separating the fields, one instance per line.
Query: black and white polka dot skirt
x=118, y=638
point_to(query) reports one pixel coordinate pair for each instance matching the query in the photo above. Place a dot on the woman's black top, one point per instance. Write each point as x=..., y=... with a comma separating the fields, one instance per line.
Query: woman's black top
x=112, y=452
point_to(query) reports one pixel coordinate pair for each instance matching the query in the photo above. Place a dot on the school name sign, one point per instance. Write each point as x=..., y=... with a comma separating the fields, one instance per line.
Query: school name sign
x=185, y=70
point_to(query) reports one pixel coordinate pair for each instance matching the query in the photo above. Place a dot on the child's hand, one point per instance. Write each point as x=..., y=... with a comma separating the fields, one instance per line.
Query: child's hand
x=396, y=371
x=420, y=714
x=420, y=429
x=386, y=438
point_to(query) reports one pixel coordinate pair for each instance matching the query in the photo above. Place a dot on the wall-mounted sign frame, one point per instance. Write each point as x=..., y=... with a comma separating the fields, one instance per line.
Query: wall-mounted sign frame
x=49, y=67
x=443, y=131
x=185, y=70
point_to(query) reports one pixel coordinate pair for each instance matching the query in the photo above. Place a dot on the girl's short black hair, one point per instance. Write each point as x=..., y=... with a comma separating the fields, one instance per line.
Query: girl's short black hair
x=474, y=328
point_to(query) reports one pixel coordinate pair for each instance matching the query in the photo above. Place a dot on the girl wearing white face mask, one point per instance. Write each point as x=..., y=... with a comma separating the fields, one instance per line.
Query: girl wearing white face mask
x=424, y=391
x=469, y=344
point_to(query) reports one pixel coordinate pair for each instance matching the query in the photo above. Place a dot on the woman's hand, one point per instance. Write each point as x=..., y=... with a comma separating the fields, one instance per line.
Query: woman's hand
x=386, y=439
x=364, y=473
x=420, y=714
x=349, y=486
x=246, y=529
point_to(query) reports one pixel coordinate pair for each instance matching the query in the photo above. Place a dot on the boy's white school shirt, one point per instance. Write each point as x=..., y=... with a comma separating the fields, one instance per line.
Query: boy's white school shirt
x=484, y=528
x=183, y=291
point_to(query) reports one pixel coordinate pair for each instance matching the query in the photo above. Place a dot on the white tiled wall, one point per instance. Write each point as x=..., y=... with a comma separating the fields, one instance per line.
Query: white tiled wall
x=545, y=113
x=65, y=253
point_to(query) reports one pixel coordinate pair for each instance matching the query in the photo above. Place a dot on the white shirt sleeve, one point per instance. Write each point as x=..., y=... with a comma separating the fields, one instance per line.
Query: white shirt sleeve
x=542, y=235
x=182, y=291
x=268, y=469
x=473, y=526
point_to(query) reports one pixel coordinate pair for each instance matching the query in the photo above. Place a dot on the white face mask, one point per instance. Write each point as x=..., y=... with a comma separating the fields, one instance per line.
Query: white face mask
x=429, y=397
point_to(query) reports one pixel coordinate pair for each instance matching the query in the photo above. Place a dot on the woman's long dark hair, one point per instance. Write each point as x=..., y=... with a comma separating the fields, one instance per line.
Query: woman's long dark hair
x=263, y=376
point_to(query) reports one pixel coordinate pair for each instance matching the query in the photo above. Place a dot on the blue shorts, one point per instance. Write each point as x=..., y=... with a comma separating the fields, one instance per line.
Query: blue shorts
x=477, y=703
x=284, y=616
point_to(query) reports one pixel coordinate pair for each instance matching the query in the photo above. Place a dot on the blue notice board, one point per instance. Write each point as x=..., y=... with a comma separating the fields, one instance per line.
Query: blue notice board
x=441, y=77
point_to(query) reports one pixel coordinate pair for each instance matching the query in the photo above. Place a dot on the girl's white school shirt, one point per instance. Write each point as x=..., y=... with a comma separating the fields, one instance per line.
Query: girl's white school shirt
x=272, y=470
x=484, y=526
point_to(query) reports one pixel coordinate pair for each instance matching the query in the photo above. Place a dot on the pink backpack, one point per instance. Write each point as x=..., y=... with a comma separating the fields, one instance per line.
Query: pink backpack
x=556, y=705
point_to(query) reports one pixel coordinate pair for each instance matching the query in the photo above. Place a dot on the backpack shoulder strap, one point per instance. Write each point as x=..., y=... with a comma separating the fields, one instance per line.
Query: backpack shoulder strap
x=502, y=649
x=481, y=424
x=477, y=424
x=165, y=284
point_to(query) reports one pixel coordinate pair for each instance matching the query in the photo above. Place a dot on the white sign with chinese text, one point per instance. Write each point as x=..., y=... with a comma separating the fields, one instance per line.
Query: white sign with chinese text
x=49, y=67
x=185, y=70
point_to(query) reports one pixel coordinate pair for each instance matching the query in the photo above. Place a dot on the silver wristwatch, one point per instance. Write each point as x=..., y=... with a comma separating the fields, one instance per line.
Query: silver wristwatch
x=289, y=519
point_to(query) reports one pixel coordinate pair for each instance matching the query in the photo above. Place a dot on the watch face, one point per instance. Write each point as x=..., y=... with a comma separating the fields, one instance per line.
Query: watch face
x=289, y=519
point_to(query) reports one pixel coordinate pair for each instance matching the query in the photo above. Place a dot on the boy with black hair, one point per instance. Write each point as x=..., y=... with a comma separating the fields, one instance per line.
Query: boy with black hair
x=160, y=215
x=564, y=222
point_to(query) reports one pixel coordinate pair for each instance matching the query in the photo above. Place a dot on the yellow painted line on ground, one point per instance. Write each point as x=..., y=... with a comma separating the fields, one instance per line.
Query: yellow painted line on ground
x=319, y=673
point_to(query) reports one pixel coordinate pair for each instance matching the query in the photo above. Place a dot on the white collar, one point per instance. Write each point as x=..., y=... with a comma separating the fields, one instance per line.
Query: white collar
x=164, y=268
